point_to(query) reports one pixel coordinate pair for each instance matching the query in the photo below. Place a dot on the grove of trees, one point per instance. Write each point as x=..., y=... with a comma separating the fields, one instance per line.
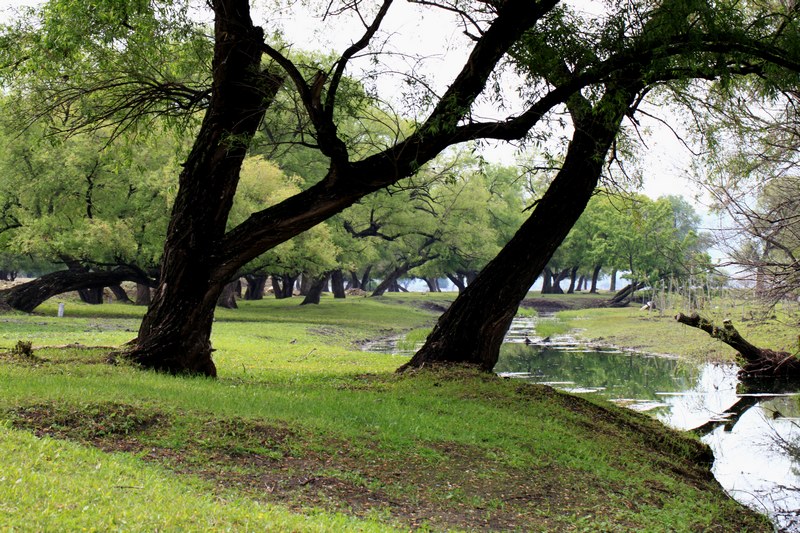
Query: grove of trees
x=131, y=72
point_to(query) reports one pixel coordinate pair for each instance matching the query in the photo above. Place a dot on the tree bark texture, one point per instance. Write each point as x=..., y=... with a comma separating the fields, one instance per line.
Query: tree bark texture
x=472, y=329
x=758, y=362
x=29, y=296
x=175, y=333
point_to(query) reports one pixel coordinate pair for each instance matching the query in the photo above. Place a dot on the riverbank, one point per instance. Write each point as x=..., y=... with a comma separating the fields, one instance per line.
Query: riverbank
x=658, y=332
x=301, y=432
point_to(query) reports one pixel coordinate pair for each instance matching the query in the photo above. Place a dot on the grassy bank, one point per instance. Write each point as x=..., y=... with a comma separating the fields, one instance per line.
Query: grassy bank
x=659, y=332
x=304, y=432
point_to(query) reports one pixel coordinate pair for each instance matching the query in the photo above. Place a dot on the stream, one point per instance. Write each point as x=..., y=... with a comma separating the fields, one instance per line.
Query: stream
x=750, y=431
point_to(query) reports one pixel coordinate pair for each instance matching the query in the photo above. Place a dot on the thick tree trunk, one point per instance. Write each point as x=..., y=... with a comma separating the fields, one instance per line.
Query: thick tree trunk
x=315, y=289
x=227, y=298
x=256, y=283
x=613, y=286
x=758, y=362
x=353, y=282
x=472, y=329
x=277, y=289
x=175, y=333
x=337, y=284
x=29, y=296
x=595, y=275
x=554, y=286
x=143, y=295
x=119, y=293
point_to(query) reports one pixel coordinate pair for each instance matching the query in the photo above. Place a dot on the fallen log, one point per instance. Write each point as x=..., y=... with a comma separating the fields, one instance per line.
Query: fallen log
x=757, y=362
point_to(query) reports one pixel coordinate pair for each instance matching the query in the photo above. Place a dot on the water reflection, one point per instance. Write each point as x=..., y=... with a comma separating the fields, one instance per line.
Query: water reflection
x=743, y=428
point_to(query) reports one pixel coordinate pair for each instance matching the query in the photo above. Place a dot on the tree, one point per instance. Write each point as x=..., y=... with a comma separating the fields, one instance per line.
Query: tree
x=472, y=329
x=88, y=203
x=200, y=256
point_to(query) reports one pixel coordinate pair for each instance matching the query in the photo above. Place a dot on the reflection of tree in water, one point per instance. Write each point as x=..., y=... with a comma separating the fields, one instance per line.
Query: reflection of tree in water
x=621, y=375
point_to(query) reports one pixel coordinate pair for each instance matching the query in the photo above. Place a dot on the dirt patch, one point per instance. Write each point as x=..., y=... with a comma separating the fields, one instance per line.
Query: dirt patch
x=434, y=307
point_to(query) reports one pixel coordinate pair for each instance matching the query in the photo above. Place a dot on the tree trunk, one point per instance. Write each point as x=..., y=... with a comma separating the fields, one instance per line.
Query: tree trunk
x=613, y=286
x=353, y=282
x=457, y=281
x=573, y=274
x=29, y=296
x=472, y=329
x=305, y=284
x=91, y=295
x=758, y=362
x=581, y=284
x=595, y=275
x=337, y=284
x=119, y=293
x=625, y=295
x=547, y=284
x=143, y=296
x=227, y=298
x=256, y=283
x=433, y=284
x=315, y=289
x=558, y=277
x=364, y=283
x=391, y=279
x=175, y=333
x=286, y=288
x=277, y=289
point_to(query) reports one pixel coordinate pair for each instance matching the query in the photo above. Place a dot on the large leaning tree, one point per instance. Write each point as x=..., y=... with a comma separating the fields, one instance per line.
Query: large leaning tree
x=598, y=71
x=670, y=45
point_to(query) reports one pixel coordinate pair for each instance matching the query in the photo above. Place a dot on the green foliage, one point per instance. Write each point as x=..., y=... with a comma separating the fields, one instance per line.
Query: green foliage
x=649, y=239
x=105, y=62
x=86, y=197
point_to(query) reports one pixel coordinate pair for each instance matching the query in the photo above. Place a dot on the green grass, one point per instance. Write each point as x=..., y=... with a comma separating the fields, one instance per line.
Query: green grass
x=304, y=432
x=659, y=332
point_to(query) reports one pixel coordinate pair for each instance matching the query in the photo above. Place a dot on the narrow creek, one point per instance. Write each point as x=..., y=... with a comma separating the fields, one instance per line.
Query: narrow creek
x=754, y=433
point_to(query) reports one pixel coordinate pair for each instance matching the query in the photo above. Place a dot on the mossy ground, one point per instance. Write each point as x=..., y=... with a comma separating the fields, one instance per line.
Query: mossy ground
x=304, y=432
